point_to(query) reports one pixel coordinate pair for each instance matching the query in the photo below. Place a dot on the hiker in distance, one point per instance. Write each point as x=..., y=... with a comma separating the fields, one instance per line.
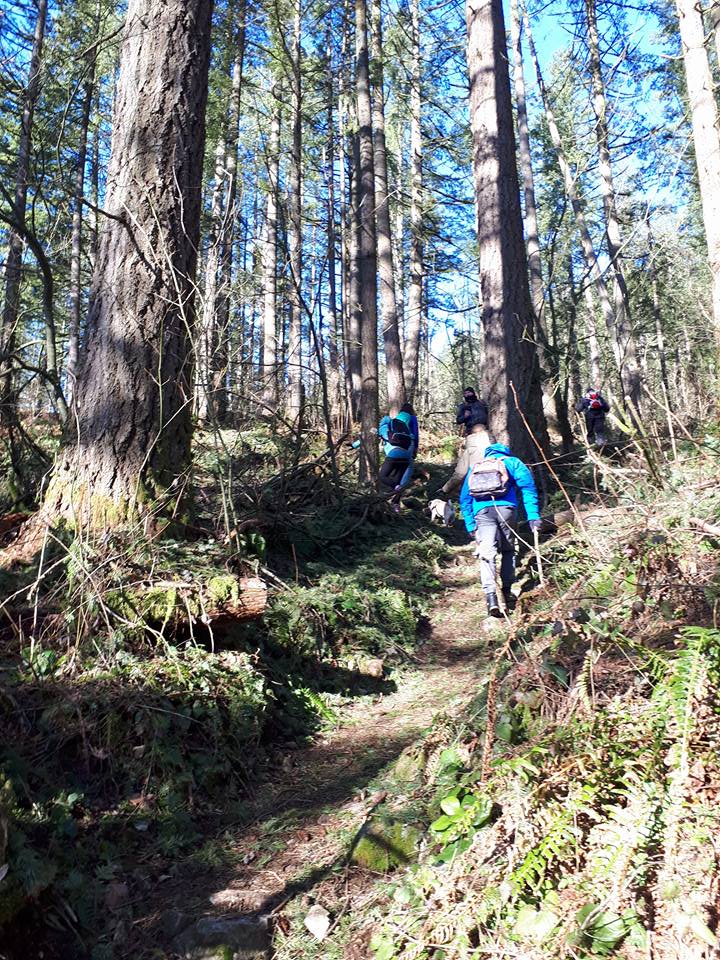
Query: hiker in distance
x=595, y=407
x=400, y=436
x=471, y=411
x=489, y=504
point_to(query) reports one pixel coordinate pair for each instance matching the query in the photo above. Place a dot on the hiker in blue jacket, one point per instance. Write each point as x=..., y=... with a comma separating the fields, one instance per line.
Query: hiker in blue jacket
x=400, y=447
x=492, y=521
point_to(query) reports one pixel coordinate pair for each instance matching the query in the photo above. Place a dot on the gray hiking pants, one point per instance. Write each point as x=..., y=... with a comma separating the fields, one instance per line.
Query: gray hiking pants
x=496, y=531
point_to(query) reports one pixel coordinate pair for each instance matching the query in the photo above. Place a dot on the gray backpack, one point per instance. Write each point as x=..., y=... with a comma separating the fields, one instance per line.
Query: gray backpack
x=489, y=479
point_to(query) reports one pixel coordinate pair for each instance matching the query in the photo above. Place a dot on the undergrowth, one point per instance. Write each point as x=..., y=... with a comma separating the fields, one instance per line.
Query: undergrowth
x=132, y=725
x=591, y=832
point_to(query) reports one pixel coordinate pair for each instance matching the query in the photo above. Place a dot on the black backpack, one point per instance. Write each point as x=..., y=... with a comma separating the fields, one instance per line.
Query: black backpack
x=398, y=434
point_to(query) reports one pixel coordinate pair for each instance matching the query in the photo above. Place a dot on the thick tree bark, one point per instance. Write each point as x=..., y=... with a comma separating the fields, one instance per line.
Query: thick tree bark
x=354, y=333
x=16, y=240
x=390, y=329
x=629, y=370
x=706, y=138
x=270, y=353
x=295, y=177
x=415, y=293
x=510, y=356
x=367, y=249
x=131, y=454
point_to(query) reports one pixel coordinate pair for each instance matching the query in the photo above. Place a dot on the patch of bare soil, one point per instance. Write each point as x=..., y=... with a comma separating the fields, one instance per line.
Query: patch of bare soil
x=303, y=820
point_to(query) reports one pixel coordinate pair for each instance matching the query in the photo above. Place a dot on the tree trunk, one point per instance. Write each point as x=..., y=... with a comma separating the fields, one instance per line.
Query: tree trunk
x=227, y=233
x=270, y=357
x=587, y=246
x=706, y=138
x=131, y=455
x=415, y=293
x=367, y=250
x=657, y=314
x=630, y=373
x=348, y=235
x=333, y=332
x=16, y=240
x=510, y=356
x=77, y=225
x=391, y=333
x=594, y=368
x=294, y=357
x=354, y=333
x=214, y=353
x=525, y=157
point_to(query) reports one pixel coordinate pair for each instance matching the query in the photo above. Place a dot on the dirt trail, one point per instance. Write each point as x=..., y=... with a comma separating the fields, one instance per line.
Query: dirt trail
x=304, y=817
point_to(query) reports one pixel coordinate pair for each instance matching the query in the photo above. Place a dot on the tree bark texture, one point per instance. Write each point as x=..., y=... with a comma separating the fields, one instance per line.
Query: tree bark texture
x=73, y=354
x=630, y=374
x=131, y=454
x=706, y=138
x=16, y=241
x=367, y=249
x=532, y=241
x=294, y=356
x=270, y=353
x=386, y=271
x=510, y=356
x=332, y=322
x=415, y=292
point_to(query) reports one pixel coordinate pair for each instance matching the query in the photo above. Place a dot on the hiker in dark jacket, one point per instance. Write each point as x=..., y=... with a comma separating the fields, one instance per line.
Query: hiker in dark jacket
x=595, y=407
x=492, y=520
x=400, y=446
x=471, y=411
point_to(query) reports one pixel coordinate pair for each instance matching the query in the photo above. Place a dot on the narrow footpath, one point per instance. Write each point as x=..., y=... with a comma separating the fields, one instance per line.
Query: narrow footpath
x=303, y=819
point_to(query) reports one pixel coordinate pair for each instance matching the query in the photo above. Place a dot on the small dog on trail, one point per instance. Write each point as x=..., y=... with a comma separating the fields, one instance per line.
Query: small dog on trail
x=442, y=511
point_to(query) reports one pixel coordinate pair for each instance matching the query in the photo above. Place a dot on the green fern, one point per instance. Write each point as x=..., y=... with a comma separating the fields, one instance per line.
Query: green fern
x=560, y=839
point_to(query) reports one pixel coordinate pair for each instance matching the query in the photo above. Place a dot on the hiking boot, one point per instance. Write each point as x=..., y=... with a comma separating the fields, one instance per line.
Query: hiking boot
x=509, y=599
x=493, y=605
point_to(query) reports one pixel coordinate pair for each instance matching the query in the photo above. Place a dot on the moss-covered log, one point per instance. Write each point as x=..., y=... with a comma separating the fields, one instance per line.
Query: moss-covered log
x=177, y=602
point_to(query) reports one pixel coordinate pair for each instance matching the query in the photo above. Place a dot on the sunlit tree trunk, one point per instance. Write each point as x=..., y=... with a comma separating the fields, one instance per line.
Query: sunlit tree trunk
x=16, y=242
x=333, y=324
x=510, y=355
x=414, y=309
x=367, y=249
x=391, y=333
x=629, y=369
x=706, y=138
x=270, y=353
x=73, y=348
x=295, y=238
x=586, y=243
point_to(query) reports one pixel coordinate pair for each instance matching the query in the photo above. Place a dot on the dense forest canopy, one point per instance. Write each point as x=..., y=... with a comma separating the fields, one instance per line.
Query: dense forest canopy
x=280, y=284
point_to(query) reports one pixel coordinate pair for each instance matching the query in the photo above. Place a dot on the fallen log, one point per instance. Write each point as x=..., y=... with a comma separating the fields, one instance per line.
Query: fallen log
x=220, y=599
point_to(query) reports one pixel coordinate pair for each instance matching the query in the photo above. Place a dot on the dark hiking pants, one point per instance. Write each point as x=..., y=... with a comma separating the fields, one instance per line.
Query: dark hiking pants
x=495, y=532
x=596, y=430
x=392, y=473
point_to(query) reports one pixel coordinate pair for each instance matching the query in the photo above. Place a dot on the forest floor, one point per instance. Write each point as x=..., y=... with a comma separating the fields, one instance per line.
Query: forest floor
x=304, y=820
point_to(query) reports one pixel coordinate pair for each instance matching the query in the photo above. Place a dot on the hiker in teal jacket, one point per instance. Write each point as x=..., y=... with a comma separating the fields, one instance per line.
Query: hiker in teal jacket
x=493, y=524
x=397, y=470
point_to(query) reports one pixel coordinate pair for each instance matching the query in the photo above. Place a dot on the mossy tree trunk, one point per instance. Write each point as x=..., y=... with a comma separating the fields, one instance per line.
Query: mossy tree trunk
x=130, y=455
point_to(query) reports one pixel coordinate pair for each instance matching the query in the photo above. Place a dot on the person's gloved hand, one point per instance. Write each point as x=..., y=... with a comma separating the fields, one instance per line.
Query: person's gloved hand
x=536, y=525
